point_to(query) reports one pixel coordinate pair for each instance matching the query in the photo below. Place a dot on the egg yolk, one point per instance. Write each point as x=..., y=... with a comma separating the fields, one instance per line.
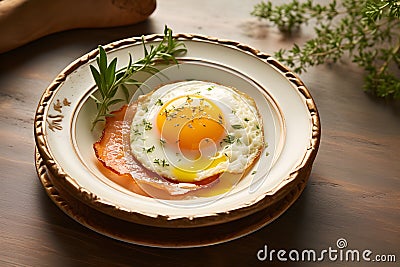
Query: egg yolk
x=189, y=173
x=189, y=121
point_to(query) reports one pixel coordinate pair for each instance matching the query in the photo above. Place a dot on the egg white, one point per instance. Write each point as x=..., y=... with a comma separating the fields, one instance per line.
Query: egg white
x=237, y=151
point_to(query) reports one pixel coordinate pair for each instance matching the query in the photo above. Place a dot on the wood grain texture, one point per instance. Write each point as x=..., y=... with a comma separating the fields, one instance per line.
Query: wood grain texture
x=353, y=191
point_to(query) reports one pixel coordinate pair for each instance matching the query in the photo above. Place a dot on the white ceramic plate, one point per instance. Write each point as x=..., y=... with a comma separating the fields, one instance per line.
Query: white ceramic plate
x=291, y=126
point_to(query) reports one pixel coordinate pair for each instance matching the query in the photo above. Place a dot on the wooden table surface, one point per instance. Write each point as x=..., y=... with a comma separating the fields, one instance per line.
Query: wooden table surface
x=353, y=192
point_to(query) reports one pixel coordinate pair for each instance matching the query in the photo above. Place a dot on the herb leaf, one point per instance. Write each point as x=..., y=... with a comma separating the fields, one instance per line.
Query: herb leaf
x=230, y=139
x=109, y=80
x=237, y=126
x=366, y=31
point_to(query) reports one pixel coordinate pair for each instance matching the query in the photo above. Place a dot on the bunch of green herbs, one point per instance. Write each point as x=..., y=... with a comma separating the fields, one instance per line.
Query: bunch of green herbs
x=366, y=31
x=109, y=80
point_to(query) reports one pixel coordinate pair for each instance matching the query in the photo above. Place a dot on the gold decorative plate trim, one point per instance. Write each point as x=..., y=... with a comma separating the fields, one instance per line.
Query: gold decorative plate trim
x=301, y=172
x=158, y=236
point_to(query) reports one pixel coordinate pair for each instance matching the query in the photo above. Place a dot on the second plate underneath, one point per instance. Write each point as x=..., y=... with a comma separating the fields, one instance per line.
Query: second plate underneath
x=163, y=237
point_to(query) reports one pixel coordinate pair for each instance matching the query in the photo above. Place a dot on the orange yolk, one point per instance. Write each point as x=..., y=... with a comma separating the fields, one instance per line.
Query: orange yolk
x=189, y=121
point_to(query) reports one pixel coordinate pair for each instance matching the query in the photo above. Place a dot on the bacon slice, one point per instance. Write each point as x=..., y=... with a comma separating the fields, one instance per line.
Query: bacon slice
x=113, y=151
x=110, y=148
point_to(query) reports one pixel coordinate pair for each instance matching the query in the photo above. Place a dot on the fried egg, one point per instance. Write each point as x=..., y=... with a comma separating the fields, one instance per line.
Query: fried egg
x=189, y=131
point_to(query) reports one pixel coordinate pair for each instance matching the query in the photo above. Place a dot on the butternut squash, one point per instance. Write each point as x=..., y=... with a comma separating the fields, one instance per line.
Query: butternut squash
x=22, y=21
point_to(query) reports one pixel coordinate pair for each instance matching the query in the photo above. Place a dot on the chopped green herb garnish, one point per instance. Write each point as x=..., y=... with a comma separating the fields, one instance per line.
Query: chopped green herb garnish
x=162, y=142
x=149, y=150
x=237, y=126
x=161, y=162
x=136, y=132
x=230, y=139
x=147, y=125
x=159, y=102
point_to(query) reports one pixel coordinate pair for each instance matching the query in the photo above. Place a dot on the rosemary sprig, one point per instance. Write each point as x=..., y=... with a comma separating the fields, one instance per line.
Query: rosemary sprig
x=109, y=80
x=366, y=31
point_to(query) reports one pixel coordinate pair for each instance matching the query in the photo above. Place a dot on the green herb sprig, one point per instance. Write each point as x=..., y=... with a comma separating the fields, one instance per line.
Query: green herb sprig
x=366, y=31
x=109, y=80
